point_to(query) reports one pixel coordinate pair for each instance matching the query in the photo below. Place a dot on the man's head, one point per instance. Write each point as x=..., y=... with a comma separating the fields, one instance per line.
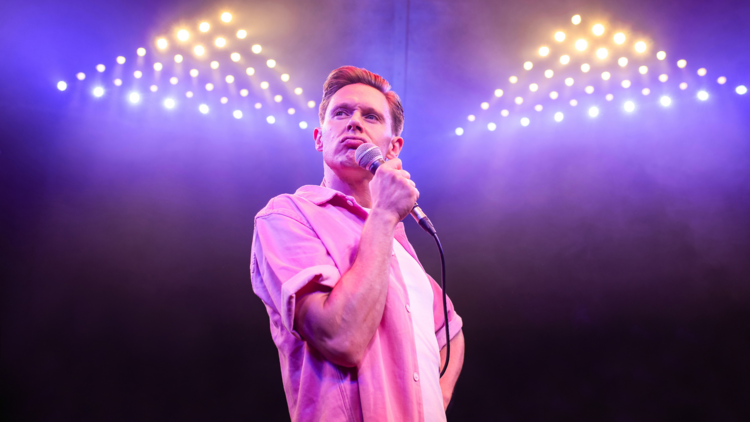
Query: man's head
x=358, y=107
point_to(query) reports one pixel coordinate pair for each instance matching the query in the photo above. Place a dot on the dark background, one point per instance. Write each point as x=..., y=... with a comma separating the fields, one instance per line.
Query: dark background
x=600, y=265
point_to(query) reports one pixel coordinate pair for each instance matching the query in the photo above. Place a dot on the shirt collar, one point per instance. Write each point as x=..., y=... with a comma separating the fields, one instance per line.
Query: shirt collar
x=318, y=194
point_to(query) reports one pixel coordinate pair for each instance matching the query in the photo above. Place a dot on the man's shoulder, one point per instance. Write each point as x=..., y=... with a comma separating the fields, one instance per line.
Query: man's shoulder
x=293, y=204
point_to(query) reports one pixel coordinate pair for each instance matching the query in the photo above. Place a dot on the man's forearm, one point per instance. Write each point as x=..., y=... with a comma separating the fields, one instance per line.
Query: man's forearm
x=448, y=381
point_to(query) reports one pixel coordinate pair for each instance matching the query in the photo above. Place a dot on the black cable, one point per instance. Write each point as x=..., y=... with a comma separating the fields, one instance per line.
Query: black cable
x=445, y=306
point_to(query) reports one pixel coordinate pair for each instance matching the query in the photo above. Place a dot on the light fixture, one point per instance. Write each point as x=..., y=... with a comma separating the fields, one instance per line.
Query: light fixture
x=141, y=51
x=204, y=27
x=189, y=94
x=544, y=51
x=593, y=112
x=640, y=46
x=559, y=117
x=645, y=91
x=264, y=85
x=661, y=55
x=602, y=53
x=619, y=38
x=683, y=86
x=598, y=29
x=519, y=100
x=303, y=125
x=271, y=63
x=298, y=91
x=742, y=90
x=625, y=84
x=120, y=60
x=504, y=113
x=681, y=63
x=183, y=35
x=538, y=107
x=241, y=34
x=643, y=70
x=629, y=106
x=209, y=86
x=100, y=68
x=722, y=80
x=271, y=119
x=585, y=67
x=702, y=71
x=157, y=66
x=220, y=42
x=244, y=92
x=98, y=91
x=178, y=58
x=81, y=76
x=229, y=79
x=702, y=95
x=533, y=87
x=569, y=81
x=573, y=102
x=491, y=126
x=257, y=48
x=485, y=105
x=62, y=85
x=194, y=72
x=224, y=100
x=548, y=73
x=169, y=103
x=203, y=108
x=250, y=71
x=663, y=77
x=237, y=114
x=285, y=77
x=235, y=57
x=589, y=89
x=581, y=44
x=117, y=82
x=513, y=79
x=528, y=65
x=291, y=111
x=214, y=65
x=134, y=97
x=565, y=59
x=525, y=121
x=199, y=50
x=665, y=101
x=137, y=74
x=498, y=93
x=173, y=80
x=553, y=95
x=459, y=130
x=576, y=19
x=311, y=103
x=559, y=36
x=161, y=43
x=154, y=88
x=609, y=97
x=226, y=17
x=622, y=61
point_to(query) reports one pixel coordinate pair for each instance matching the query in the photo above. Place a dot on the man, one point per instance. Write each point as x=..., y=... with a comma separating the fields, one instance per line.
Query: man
x=358, y=323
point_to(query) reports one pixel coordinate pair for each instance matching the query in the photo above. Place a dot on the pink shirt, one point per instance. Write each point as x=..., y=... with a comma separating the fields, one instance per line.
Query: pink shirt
x=312, y=236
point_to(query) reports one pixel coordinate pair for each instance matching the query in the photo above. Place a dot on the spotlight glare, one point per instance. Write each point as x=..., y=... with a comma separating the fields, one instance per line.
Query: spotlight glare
x=661, y=55
x=528, y=65
x=117, y=82
x=229, y=79
x=120, y=60
x=194, y=72
x=538, y=107
x=226, y=17
x=157, y=66
x=285, y=77
x=203, y=108
x=681, y=63
x=663, y=77
x=683, y=86
x=559, y=36
x=665, y=101
x=626, y=84
x=311, y=103
x=264, y=85
x=619, y=38
x=525, y=121
x=169, y=103
x=722, y=80
x=214, y=65
x=134, y=97
x=291, y=111
x=598, y=29
x=565, y=59
x=209, y=86
x=640, y=46
x=173, y=80
x=533, y=87
x=702, y=71
x=606, y=76
x=553, y=95
x=471, y=117
x=498, y=93
x=702, y=95
x=585, y=67
x=513, y=79
x=277, y=98
x=189, y=94
x=548, y=73
x=593, y=111
x=629, y=106
x=519, y=100
x=81, y=76
x=224, y=100
x=271, y=63
x=303, y=125
x=204, y=27
x=589, y=89
x=258, y=106
x=544, y=51
x=742, y=90
x=244, y=92
x=602, y=53
x=581, y=44
x=645, y=91
x=459, y=131
x=237, y=114
x=485, y=105
x=137, y=74
x=62, y=86
x=161, y=43
x=141, y=51
x=154, y=88
x=298, y=91
x=504, y=113
x=241, y=34
x=609, y=97
x=250, y=71
x=98, y=91
x=220, y=42
x=559, y=117
x=100, y=68
x=622, y=61
x=235, y=57
x=573, y=103
x=491, y=126
x=199, y=50
x=576, y=19
x=271, y=119
x=643, y=70
x=183, y=35
x=569, y=81
x=178, y=58
x=257, y=48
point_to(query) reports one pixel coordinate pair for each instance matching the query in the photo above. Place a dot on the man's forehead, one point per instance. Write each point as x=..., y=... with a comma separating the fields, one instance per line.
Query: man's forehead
x=360, y=95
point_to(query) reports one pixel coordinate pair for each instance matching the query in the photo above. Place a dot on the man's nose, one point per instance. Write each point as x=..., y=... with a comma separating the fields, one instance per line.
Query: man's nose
x=355, y=122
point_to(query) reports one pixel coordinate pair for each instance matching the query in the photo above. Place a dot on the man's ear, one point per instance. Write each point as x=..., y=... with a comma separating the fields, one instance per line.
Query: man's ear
x=318, y=135
x=394, y=148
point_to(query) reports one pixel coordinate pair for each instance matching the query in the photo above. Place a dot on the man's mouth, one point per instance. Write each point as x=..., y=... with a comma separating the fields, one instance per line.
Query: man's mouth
x=353, y=142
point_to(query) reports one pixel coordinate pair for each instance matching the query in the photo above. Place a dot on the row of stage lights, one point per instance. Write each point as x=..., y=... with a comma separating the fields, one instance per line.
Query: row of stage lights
x=601, y=53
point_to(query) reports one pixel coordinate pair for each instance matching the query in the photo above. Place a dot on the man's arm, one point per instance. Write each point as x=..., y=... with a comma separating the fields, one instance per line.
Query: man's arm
x=448, y=381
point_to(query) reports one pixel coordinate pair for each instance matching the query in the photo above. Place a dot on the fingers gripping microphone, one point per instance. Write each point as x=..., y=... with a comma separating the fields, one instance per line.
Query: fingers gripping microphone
x=368, y=157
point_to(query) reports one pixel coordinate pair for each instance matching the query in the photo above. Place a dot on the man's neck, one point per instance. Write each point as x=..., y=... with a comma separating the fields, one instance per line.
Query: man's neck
x=358, y=189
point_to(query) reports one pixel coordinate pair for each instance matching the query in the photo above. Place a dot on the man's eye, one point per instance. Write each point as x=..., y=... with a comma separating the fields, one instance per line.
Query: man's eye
x=372, y=116
x=338, y=113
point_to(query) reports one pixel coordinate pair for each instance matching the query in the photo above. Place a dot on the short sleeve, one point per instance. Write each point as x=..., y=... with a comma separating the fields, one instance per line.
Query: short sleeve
x=286, y=256
x=455, y=323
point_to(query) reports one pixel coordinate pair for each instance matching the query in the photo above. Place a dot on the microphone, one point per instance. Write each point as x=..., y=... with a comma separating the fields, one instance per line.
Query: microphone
x=368, y=157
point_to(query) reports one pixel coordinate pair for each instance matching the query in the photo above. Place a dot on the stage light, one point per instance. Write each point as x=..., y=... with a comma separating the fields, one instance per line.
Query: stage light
x=229, y=79
x=544, y=51
x=581, y=44
x=120, y=60
x=241, y=34
x=548, y=73
x=683, y=86
x=189, y=94
x=303, y=125
x=235, y=57
x=645, y=91
x=204, y=27
x=169, y=103
x=609, y=97
x=498, y=93
x=533, y=87
x=220, y=42
x=271, y=63
x=173, y=80
x=722, y=80
x=504, y=113
x=661, y=55
x=538, y=107
x=519, y=100
x=141, y=51
x=525, y=121
x=277, y=98
x=665, y=101
x=81, y=76
x=264, y=85
x=629, y=106
x=224, y=100
x=559, y=36
x=602, y=53
x=643, y=70
x=528, y=65
x=178, y=58
x=161, y=43
x=576, y=19
x=98, y=91
x=226, y=17
x=606, y=76
x=250, y=71
x=244, y=92
x=702, y=95
x=742, y=90
x=513, y=79
x=681, y=63
x=553, y=95
x=559, y=117
x=485, y=105
x=100, y=68
x=134, y=97
x=640, y=46
x=271, y=119
x=203, y=108
x=589, y=89
x=157, y=66
x=622, y=61
x=183, y=35
x=257, y=48
x=569, y=81
x=117, y=82
x=565, y=59
x=573, y=103
x=214, y=65
x=237, y=114
x=491, y=126
x=298, y=91
x=137, y=74
x=291, y=111
x=209, y=86
x=585, y=67
x=663, y=77
x=154, y=88
x=199, y=50
x=285, y=77
x=625, y=84
x=194, y=72
x=593, y=112
x=598, y=29
x=258, y=106
x=459, y=131
x=311, y=103
x=62, y=85
x=619, y=38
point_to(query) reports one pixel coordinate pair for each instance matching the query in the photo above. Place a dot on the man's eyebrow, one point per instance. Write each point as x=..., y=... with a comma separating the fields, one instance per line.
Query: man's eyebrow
x=349, y=107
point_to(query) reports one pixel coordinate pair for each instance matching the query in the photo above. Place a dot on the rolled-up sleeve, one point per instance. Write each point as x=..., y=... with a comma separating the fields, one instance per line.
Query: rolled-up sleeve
x=286, y=256
x=455, y=323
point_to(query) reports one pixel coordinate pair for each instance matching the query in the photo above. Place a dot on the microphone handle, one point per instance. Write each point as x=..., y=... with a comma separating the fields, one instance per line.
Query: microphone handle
x=416, y=212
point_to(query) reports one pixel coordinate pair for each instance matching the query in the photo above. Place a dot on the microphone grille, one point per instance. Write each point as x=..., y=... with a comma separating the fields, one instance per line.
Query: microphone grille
x=366, y=154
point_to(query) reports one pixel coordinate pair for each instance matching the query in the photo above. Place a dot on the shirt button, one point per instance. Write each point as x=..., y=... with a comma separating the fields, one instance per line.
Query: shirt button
x=349, y=202
x=416, y=376
x=408, y=308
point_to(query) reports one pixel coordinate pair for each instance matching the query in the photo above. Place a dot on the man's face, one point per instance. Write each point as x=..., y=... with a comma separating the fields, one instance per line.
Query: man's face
x=356, y=114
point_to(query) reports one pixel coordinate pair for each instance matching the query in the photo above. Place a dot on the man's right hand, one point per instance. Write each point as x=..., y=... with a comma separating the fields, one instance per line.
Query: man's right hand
x=392, y=190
